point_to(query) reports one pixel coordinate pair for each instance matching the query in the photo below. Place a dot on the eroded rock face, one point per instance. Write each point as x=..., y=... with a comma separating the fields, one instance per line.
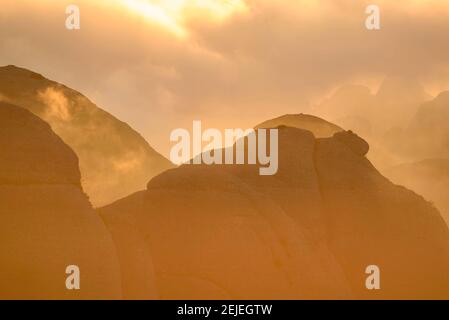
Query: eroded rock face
x=115, y=160
x=372, y=221
x=226, y=232
x=309, y=231
x=46, y=220
x=353, y=142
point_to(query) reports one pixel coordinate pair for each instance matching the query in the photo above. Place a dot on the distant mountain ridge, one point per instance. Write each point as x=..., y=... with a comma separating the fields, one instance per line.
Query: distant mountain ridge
x=393, y=105
x=114, y=159
x=427, y=135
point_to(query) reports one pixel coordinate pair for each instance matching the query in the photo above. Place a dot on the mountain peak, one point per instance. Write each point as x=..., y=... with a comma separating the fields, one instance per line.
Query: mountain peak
x=19, y=71
x=318, y=126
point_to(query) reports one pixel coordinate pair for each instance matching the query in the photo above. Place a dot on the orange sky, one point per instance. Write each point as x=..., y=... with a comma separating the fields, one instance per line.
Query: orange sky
x=158, y=65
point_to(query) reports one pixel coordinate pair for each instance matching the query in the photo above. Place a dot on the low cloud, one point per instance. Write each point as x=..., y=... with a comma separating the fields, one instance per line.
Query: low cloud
x=57, y=104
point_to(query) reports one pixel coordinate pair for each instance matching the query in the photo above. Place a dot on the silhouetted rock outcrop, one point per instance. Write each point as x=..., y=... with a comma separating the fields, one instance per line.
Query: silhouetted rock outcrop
x=309, y=231
x=46, y=221
x=353, y=142
x=226, y=232
x=115, y=161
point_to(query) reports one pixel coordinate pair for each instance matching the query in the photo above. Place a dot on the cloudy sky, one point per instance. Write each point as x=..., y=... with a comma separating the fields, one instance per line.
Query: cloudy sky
x=158, y=65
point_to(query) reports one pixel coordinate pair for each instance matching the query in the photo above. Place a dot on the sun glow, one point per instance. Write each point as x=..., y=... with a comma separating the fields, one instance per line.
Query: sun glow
x=171, y=13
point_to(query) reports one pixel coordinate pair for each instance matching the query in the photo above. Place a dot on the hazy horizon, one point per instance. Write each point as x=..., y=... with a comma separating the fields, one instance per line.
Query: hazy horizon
x=158, y=65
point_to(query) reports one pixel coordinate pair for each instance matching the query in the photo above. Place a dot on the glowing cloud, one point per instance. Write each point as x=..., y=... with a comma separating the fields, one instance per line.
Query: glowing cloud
x=171, y=13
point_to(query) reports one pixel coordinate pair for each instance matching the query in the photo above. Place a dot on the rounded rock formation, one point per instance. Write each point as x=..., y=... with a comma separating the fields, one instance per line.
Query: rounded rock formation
x=46, y=221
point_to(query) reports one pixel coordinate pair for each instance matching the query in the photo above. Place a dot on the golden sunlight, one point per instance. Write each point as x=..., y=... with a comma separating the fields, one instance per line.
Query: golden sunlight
x=171, y=13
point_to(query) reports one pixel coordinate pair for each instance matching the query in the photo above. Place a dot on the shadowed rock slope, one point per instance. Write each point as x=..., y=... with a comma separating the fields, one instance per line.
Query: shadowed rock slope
x=115, y=161
x=46, y=220
x=309, y=231
x=428, y=177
